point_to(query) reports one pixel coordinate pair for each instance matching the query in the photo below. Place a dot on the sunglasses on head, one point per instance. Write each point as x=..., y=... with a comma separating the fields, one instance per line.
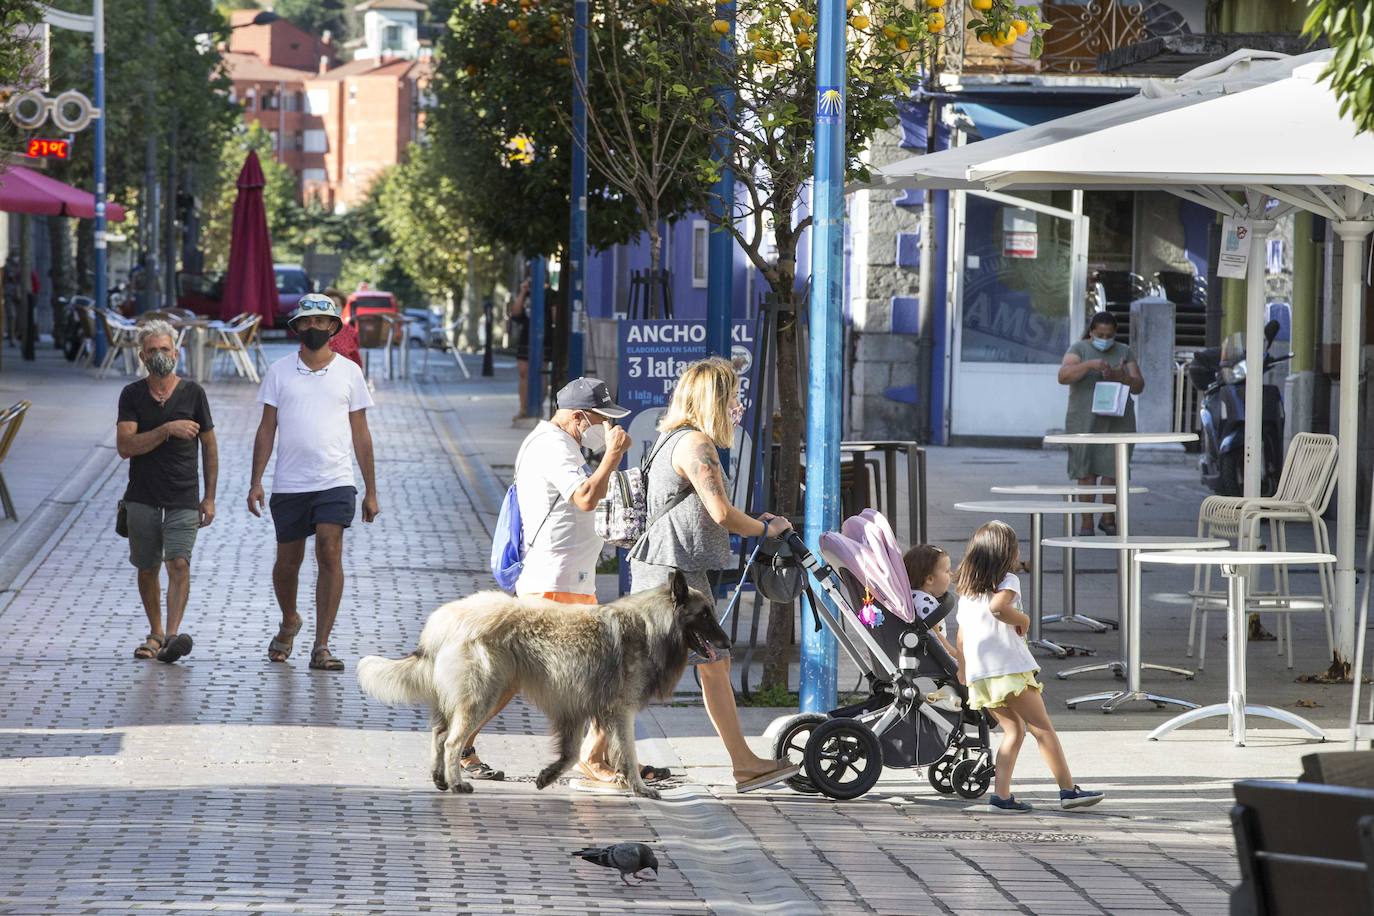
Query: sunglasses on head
x=312, y=305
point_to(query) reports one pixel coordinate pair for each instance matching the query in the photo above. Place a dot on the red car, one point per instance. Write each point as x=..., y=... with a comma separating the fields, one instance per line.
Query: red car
x=373, y=302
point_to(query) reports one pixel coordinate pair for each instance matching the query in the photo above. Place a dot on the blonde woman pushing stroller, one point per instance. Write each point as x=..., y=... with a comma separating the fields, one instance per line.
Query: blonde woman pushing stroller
x=1000, y=670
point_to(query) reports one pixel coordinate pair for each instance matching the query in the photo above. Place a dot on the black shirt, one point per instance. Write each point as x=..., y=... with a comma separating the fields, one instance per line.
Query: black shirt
x=168, y=476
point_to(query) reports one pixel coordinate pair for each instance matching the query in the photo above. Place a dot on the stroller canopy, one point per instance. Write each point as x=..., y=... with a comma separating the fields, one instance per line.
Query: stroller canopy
x=867, y=547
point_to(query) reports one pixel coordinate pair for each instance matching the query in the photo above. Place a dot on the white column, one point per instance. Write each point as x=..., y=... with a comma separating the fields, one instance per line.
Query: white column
x=1352, y=234
x=1254, y=358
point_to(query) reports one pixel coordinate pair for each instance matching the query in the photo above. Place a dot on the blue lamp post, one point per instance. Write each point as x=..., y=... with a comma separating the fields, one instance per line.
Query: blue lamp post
x=823, y=403
x=720, y=249
x=577, y=235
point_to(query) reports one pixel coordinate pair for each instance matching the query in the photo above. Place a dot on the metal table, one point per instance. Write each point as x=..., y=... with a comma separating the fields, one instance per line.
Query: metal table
x=1233, y=564
x=1069, y=491
x=1036, y=509
x=1129, y=664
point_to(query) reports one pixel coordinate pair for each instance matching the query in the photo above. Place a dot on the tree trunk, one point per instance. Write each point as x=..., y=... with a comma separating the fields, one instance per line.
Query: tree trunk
x=654, y=304
x=60, y=252
x=787, y=480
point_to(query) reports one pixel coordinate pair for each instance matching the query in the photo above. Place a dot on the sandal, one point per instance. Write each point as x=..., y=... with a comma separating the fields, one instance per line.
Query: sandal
x=783, y=772
x=321, y=659
x=283, y=642
x=144, y=652
x=176, y=647
x=652, y=775
x=480, y=769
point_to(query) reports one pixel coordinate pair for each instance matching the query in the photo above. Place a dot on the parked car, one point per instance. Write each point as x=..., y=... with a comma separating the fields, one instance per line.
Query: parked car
x=423, y=322
x=292, y=283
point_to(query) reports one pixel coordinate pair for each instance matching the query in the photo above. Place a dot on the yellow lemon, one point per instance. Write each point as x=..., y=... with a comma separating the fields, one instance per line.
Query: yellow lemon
x=889, y=32
x=859, y=22
x=935, y=4
x=981, y=6
x=555, y=18
x=935, y=22
x=903, y=44
x=562, y=61
x=761, y=54
x=754, y=34
x=1020, y=25
x=513, y=24
x=985, y=37
x=796, y=17
x=849, y=4
x=720, y=27
x=803, y=39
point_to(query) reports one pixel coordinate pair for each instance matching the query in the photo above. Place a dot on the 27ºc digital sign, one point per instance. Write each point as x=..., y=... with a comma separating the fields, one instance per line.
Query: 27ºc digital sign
x=39, y=148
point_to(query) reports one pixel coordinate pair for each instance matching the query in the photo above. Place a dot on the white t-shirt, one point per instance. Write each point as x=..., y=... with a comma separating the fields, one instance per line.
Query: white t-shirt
x=991, y=647
x=314, y=437
x=561, y=556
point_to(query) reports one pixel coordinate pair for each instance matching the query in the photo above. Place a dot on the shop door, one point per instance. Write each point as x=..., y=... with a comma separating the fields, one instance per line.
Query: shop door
x=1019, y=277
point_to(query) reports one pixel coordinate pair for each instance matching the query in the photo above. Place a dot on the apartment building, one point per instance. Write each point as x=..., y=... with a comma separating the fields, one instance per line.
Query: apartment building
x=335, y=125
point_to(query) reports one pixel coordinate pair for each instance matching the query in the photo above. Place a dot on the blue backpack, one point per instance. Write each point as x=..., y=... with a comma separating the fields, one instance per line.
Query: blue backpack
x=508, y=541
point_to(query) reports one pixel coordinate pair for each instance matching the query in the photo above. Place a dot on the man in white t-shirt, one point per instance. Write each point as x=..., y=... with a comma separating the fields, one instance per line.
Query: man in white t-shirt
x=557, y=496
x=314, y=405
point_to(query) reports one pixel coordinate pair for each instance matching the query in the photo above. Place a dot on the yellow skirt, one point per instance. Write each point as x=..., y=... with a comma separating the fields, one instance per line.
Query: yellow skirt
x=992, y=692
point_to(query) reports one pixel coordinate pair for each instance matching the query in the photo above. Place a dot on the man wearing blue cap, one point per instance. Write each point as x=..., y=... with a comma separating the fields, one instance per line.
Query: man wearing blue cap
x=314, y=407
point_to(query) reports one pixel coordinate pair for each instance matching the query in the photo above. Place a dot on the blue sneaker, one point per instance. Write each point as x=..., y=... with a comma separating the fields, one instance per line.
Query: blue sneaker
x=1008, y=805
x=1078, y=798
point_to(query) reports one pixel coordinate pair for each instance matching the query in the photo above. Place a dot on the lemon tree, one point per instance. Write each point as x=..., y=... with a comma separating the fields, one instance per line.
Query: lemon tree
x=1349, y=24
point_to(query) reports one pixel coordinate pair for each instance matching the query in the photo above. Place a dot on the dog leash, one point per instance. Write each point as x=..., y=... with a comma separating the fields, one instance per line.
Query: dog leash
x=744, y=577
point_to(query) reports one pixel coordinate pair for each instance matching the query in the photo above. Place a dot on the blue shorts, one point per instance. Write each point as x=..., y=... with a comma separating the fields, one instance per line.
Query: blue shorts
x=295, y=515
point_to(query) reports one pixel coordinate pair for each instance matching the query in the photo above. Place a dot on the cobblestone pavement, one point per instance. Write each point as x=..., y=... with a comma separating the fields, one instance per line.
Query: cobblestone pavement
x=227, y=783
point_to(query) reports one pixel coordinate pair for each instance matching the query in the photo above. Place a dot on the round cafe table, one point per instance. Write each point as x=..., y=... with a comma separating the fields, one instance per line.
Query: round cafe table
x=1069, y=491
x=1234, y=565
x=1036, y=509
x=1130, y=664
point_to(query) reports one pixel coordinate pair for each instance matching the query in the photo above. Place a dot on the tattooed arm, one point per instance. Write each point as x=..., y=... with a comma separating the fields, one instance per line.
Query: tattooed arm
x=696, y=460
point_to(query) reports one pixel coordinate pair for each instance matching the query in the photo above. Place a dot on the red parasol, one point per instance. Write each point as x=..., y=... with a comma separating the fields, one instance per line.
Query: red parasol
x=250, y=285
x=26, y=191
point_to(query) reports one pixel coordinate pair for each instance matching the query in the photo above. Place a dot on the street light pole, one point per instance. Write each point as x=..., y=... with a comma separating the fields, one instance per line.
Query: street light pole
x=577, y=234
x=823, y=407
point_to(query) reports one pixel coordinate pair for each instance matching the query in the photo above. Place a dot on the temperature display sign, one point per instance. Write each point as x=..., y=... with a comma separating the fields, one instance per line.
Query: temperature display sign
x=39, y=148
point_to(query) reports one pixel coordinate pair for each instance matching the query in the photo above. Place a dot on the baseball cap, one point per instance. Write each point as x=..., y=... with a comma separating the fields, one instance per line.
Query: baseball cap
x=315, y=304
x=589, y=394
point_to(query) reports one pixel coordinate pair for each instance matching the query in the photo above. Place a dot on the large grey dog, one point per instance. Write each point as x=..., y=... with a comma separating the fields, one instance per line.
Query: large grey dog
x=578, y=663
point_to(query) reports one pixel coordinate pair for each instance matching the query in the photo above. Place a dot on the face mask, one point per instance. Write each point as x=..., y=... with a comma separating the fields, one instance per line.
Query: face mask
x=594, y=437
x=737, y=414
x=160, y=364
x=315, y=338
x=1103, y=345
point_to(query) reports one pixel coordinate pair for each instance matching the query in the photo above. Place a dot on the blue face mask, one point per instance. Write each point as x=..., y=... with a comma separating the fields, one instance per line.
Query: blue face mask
x=1102, y=345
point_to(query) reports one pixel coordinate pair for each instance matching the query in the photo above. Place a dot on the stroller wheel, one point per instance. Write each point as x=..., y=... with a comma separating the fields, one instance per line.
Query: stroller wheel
x=971, y=777
x=941, y=775
x=843, y=758
x=791, y=746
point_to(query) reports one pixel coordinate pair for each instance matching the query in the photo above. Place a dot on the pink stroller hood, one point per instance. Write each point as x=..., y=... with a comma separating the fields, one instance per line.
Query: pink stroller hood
x=866, y=546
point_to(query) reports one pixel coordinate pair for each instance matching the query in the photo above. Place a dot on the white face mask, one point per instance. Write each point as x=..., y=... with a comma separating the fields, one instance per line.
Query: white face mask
x=594, y=437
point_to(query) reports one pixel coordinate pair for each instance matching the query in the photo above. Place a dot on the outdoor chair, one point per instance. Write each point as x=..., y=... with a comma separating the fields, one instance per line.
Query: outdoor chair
x=10, y=421
x=1304, y=490
x=1303, y=849
x=439, y=336
x=87, y=351
x=122, y=337
x=1352, y=769
x=232, y=340
x=375, y=332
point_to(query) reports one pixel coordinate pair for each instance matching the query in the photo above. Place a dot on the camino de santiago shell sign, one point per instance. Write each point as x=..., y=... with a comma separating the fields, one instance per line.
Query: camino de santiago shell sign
x=653, y=354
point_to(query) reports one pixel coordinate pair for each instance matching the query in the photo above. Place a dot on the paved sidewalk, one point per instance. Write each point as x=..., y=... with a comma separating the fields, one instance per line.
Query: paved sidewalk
x=227, y=783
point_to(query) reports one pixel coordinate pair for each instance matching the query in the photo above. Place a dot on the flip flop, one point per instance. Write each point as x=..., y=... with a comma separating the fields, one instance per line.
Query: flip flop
x=143, y=653
x=781, y=774
x=175, y=648
x=600, y=786
x=323, y=660
x=283, y=642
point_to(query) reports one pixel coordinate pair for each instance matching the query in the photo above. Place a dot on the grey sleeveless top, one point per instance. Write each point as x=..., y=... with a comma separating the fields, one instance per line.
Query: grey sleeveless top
x=686, y=537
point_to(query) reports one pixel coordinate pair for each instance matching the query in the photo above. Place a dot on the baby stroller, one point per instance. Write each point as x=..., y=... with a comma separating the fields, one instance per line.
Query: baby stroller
x=917, y=712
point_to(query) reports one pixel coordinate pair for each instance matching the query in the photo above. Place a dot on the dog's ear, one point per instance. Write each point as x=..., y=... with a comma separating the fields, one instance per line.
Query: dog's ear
x=677, y=583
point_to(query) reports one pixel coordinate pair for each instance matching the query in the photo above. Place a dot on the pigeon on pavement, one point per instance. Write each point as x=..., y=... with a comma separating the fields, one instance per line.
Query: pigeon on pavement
x=627, y=858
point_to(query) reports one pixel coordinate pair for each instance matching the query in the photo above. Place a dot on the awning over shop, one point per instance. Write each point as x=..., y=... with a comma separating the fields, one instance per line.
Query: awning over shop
x=26, y=191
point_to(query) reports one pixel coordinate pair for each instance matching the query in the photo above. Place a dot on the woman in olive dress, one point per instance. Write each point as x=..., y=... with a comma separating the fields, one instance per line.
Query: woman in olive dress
x=1097, y=357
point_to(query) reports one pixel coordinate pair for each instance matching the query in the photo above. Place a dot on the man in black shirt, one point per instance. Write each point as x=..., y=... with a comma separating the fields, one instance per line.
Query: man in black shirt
x=161, y=418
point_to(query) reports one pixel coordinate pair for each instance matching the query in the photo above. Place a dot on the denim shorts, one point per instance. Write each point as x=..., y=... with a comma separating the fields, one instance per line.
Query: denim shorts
x=295, y=515
x=157, y=535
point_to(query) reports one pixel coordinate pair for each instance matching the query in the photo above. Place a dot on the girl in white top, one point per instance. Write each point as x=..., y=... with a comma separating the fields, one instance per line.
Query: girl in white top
x=998, y=667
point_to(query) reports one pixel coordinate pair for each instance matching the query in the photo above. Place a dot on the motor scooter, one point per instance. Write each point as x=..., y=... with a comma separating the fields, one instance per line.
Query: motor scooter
x=1219, y=373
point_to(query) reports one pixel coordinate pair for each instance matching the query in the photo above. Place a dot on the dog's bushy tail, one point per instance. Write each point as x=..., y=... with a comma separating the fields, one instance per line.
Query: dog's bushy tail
x=404, y=681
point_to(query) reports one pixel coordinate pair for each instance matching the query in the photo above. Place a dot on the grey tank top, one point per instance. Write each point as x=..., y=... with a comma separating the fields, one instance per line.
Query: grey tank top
x=686, y=537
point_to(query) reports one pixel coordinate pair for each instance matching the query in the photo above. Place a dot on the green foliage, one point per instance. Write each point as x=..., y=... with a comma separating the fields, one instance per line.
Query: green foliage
x=317, y=16
x=495, y=90
x=17, y=50
x=1349, y=25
